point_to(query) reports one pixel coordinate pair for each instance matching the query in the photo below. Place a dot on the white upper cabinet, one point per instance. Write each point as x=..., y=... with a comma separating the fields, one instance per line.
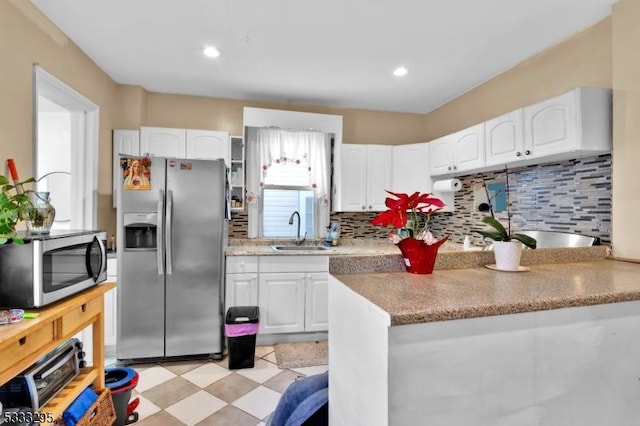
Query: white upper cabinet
x=163, y=142
x=124, y=142
x=504, y=138
x=366, y=174
x=458, y=152
x=469, y=146
x=442, y=155
x=169, y=142
x=410, y=169
x=186, y=143
x=354, y=177
x=208, y=145
x=550, y=126
x=577, y=122
x=378, y=176
x=572, y=125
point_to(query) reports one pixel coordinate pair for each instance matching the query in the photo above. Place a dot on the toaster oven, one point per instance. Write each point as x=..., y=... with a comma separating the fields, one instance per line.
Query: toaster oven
x=38, y=384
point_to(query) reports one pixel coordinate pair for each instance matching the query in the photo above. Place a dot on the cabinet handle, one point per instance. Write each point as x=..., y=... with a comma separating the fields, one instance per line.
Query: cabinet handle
x=527, y=152
x=455, y=167
x=364, y=208
x=369, y=207
x=449, y=167
x=518, y=154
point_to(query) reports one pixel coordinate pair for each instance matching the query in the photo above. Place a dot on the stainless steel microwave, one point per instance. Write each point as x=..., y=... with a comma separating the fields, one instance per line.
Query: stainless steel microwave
x=47, y=268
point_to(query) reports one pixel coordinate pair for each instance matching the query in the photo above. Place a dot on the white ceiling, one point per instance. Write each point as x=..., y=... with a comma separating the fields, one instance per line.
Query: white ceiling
x=338, y=53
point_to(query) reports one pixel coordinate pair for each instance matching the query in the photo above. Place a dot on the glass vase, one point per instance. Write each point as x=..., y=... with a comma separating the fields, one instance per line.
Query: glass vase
x=40, y=215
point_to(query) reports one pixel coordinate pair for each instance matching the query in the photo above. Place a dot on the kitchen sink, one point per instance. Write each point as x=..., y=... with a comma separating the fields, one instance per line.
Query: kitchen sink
x=298, y=248
x=549, y=239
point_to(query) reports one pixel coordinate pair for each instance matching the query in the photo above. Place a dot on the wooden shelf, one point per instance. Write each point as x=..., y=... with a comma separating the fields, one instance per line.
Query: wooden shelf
x=23, y=343
x=66, y=396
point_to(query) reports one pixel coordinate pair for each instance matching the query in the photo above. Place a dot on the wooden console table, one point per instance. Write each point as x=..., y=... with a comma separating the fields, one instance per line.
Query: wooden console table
x=23, y=343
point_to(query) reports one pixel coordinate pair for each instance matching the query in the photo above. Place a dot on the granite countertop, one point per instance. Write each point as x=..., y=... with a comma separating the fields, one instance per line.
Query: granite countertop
x=478, y=292
x=461, y=287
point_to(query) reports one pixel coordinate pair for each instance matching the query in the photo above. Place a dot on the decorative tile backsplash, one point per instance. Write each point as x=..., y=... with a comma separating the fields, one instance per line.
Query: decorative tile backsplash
x=570, y=196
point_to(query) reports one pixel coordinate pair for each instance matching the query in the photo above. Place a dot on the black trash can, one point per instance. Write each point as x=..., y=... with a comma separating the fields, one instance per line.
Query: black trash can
x=241, y=327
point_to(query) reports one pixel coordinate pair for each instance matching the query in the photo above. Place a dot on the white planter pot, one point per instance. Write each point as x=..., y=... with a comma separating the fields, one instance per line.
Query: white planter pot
x=507, y=255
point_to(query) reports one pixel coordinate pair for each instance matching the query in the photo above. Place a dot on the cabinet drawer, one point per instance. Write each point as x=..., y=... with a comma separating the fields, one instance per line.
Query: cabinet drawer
x=80, y=314
x=294, y=264
x=242, y=264
x=26, y=346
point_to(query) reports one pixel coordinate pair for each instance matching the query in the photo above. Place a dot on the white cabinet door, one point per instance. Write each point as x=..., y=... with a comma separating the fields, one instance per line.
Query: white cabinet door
x=281, y=298
x=241, y=290
x=458, y=152
x=504, y=139
x=410, y=171
x=317, y=302
x=378, y=176
x=110, y=305
x=241, y=284
x=208, y=145
x=550, y=126
x=163, y=142
x=354, y=177
x=366, y=174
x=469, y=148
x=442, y=158
x=124, y=142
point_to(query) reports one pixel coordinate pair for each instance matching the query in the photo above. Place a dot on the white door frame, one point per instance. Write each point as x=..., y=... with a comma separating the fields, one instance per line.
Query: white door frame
x=85, y=164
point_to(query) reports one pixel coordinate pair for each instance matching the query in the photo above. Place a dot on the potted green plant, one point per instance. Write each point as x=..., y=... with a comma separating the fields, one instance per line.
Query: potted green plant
x=507, y=246
x=500, y=234
x=15, y=205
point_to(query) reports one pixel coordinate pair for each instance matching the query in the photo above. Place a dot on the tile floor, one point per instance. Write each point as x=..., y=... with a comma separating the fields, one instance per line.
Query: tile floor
x=206, y=392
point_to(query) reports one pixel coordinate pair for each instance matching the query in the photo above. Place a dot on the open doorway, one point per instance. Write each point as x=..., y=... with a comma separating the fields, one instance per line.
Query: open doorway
x=66, y=151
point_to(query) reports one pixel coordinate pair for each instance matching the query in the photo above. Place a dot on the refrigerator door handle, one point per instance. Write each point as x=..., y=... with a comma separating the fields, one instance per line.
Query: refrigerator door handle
x=160, y=236
x=168, y=234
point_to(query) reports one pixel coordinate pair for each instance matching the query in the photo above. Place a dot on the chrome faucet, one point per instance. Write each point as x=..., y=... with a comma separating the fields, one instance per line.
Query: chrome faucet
x=298, y=240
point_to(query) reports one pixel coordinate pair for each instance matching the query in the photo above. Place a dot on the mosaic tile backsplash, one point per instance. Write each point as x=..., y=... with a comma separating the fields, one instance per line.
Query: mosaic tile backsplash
x=571, y=196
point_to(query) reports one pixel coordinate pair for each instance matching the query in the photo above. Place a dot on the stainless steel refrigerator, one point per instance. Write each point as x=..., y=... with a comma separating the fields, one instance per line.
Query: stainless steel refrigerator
x=171, y=238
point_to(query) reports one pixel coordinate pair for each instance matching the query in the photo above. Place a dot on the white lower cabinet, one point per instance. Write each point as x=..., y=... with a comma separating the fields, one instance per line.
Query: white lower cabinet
x=316, y=311
x=281, y=298
x=241, y=281
x=291, y=291
x=242, y=290
x=110, y=304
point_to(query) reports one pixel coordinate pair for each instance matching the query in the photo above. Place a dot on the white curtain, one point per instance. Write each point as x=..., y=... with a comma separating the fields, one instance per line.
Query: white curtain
x=268, y=145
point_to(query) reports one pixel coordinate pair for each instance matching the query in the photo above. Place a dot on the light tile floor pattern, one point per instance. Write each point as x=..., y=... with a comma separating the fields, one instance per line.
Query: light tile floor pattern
x=206, y=392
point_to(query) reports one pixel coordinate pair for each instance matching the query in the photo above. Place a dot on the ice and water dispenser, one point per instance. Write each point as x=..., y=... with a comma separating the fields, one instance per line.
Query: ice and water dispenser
x=140, y=231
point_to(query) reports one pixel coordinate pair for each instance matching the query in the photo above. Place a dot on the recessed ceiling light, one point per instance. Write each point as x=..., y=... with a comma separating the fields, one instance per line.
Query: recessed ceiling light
x=400, y=71
x=211, y=52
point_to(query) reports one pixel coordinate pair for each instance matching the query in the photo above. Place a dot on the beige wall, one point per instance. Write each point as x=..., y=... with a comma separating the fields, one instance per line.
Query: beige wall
x=626, y=130
x=587, y=59
x=26, y=37
x=165, y=110
x=582, y=60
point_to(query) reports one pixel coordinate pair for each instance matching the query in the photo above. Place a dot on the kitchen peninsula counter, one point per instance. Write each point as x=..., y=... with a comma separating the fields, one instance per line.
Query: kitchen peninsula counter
x=555, y=345
x=478, y=292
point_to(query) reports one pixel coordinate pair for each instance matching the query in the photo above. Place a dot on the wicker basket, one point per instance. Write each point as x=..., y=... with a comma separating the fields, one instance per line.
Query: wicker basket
x=101, y=413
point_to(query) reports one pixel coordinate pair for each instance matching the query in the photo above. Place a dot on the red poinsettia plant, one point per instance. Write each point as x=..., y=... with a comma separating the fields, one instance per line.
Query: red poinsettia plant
x=408, y=216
